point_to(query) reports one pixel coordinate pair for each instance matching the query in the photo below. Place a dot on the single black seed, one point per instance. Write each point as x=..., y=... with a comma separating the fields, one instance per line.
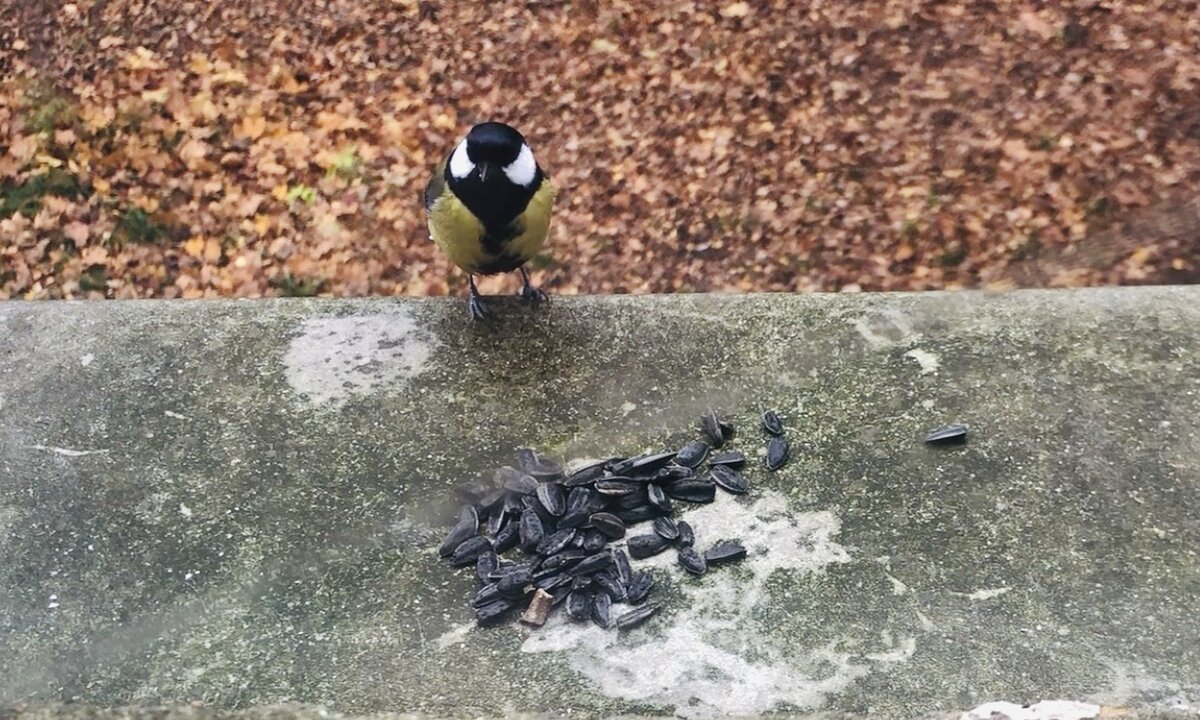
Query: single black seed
x=726, y=430
x=514, y=503
x=695, y=491
x=612, y=586
x=777, y=453
x=616, y=487
x=552, y=498
x=550, y=582
x=632, y=500
x=639, y=587
x=666, y=527
x=729, y=479
x=579, y=605
x=621, y=564
x=692, y=454
x=555, y=542
x=493, y=611
x=486, y=594
x=472, y=491
x=579, y=498
x=687, y=536
x=672, y=473
x=532, y=503
x=492, y=501
x=635, y=617
x=507, y=538
x=601, y=609
x=594, y=541
x=486, y=563
x=643, y=546
x=643, y=464
x=563, y=559
x=658, y=499
x=725, y=551
x=637, y=515
x=560, y=593
x=593, y=563
x=710, y=424
x=574, y=518
x=586, y=474
x=733, y=458
x=692, y=561
x=598, y=502
x=460, y=533
x=468, y=551
x=609, y=524
x=948, y=435
x=515, y=582
x=532, y=531
x=525, y=484
x=582, y=582
x=497, y=520
x=772, y=423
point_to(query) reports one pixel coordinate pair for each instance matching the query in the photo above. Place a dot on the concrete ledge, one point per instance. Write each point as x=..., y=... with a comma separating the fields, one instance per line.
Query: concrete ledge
x=237, y=503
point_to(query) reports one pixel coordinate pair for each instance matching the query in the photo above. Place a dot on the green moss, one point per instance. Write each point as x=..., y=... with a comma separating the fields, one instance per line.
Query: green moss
x=26, y=197
x=93, y=279
x=138, y=227
x=289, y=285
x=47, y=110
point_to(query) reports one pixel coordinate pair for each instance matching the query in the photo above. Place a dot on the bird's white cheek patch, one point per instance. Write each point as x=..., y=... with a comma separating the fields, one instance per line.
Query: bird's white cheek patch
x=460, y=163
x=522, y=170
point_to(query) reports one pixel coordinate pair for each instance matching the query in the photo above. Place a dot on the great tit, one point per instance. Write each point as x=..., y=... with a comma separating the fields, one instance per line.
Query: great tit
x=488, y=207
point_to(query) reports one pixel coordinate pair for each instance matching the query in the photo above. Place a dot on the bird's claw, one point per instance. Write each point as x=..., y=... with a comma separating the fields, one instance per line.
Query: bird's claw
x=535, y=295
x=479, y=309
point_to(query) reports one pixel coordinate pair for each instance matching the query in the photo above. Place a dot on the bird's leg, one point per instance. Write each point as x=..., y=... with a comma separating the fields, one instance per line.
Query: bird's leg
x=529, y=293
x=475, y=304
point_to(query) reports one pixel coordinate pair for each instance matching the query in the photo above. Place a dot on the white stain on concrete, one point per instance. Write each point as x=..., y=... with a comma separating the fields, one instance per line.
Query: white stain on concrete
x=1045, y=710
x=87, y=359
x=886, y=328
x=456, y=635
x=184, y=510
x=984, y=593
x=333, y=359
x=175, y=415
x=928, y=361
x=66, y=452
x=713, y=654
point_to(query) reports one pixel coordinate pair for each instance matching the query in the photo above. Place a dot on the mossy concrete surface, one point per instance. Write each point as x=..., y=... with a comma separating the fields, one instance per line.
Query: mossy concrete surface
x=237, y=504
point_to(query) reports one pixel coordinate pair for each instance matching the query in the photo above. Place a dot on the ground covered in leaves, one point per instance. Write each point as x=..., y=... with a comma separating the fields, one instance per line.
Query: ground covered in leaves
x=187, y=148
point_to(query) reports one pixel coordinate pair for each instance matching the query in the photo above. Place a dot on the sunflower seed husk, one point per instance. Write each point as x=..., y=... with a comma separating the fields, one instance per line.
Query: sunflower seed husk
x=515, y=582
x=657, y=498
x=486, y=594
x=692, y=454
x=612, y=586
x=621, y=564
x=729, y=479
x=601, y=609
x=637, y=515
x=485, y=563
x=692, y=561
x=710, y=424
x=469, y=550
x=555, y=542
x=507, y=539
x=725, y=551
x=616, y=487
x=666, y=528
x=643, y=546
x=563, y=559
x=574, y=518
x=639, y=587
x=460, y=533
x=772, y=423
x=948, y=435
x=594, y=541
x=777, y=453
x=636, y=616
x=593, y=563
x=694, y=491
x=552, y=498
x=493, y=611
x=532, y=531
x=609, y=524
x=579, y=605
x=687, y=537
x=732, y=458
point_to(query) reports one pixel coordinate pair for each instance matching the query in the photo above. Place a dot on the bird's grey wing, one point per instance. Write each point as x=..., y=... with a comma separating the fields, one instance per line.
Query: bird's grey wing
x=436, y=185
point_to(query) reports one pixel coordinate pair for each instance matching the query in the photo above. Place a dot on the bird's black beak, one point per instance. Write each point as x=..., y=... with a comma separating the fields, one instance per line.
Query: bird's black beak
x=485, y=169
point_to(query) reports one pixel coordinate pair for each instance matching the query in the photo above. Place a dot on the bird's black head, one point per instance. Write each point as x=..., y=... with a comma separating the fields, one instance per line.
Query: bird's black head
x=494, y=143
x=493, y=172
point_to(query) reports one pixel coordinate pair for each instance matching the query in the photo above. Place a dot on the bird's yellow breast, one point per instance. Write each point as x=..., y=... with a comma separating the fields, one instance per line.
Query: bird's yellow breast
x=460, y=234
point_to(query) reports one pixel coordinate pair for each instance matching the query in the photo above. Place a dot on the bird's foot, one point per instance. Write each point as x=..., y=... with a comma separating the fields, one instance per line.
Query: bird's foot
x=529, y=293
x=479, y=309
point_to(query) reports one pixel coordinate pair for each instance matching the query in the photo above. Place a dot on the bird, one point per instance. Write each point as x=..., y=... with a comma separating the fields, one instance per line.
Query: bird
x=488, y=207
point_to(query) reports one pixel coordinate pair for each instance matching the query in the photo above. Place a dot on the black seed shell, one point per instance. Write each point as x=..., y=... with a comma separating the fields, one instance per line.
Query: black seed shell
x=594, y=541
x=515, y=582
x=725, y=551
x=552, y=498
x=692, y=561
x=695, y=491
x=710, y=424
x=692, y=454
x=611, y=585
x=574, y=518
x=601, y=609
x=666, y=528
x=494, y=611
x=616, y=487
x=637, y=515
x=639, y=587
x=658, y=499
x=948, y=435
x=636, y=617
x=468, y=551
x=777, y=453
x=593, y=563
x=532, y=531
x=643, y=546
x=733, y=458
x=507, y=538
x=579, y=605
x=555, y=542
x=729, y=479
x=687, y=537
x=622, y=567
x=772, y=423
x=609, y=524
x=486, y=563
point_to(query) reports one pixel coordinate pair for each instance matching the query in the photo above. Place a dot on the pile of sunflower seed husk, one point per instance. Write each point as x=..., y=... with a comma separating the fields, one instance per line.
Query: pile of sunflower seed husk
x=565, y=521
